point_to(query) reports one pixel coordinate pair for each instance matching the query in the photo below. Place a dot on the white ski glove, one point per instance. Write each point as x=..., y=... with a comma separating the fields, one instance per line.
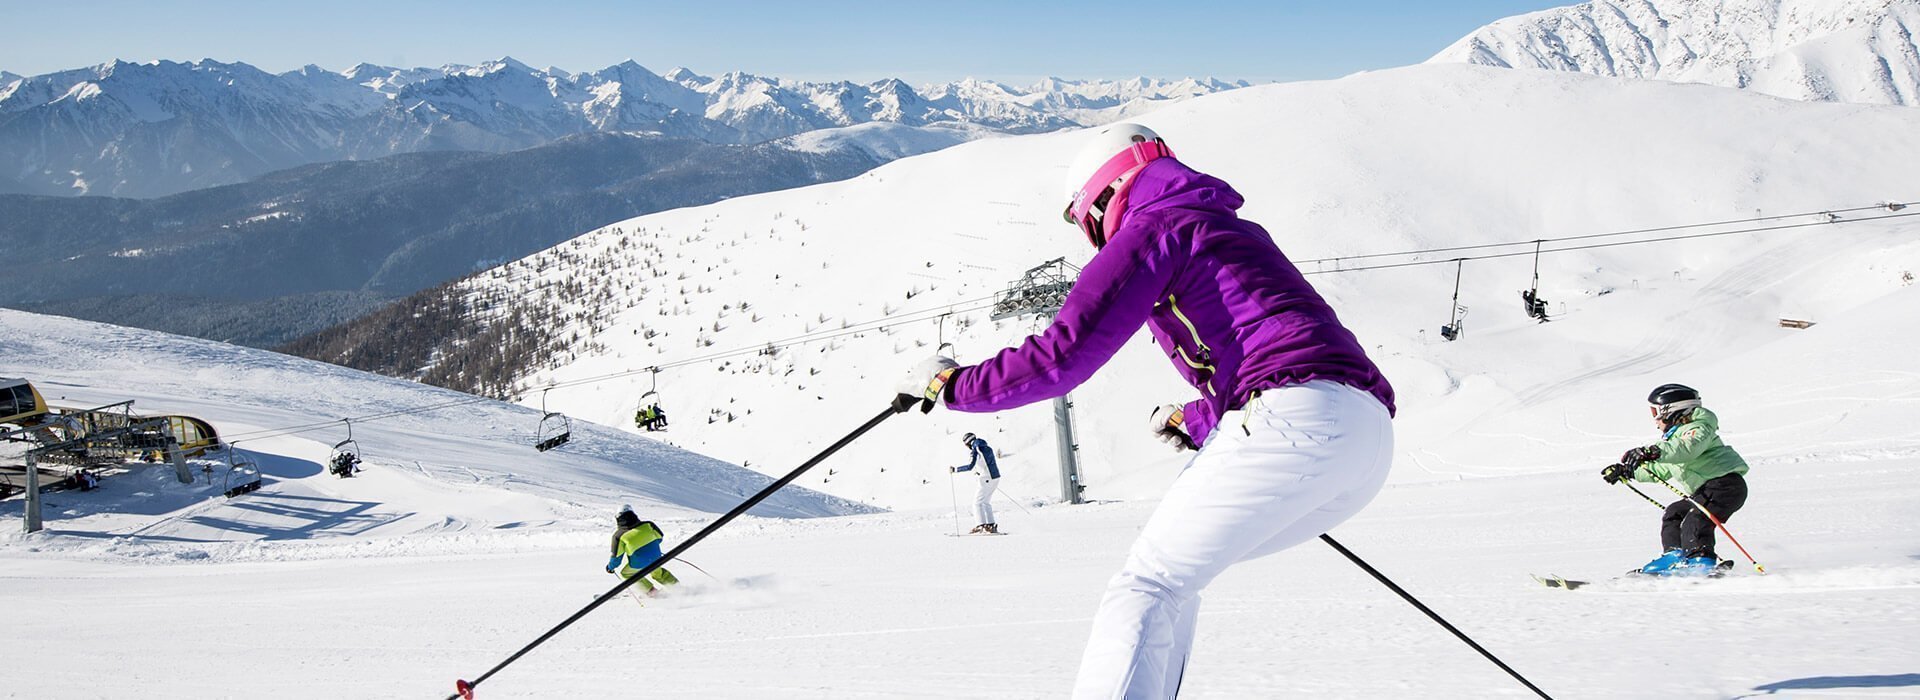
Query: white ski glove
x=923, y=384
x=1169, y=425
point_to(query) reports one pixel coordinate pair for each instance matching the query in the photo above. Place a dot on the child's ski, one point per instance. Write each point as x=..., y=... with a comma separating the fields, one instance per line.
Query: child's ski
x=1552, y=581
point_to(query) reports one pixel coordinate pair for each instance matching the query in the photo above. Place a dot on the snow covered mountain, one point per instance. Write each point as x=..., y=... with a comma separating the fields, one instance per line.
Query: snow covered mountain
x=157, y=128
x=1834, y=50
x=874, y=273
x=779, y=322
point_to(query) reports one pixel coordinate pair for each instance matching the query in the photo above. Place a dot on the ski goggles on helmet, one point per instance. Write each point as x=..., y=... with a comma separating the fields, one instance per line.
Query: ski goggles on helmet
x=1088, y=207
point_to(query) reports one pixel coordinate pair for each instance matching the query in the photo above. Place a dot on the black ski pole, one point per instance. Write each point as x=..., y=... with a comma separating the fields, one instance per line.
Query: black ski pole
x=464, y=689
x=1436, y=616
x=1656, y=504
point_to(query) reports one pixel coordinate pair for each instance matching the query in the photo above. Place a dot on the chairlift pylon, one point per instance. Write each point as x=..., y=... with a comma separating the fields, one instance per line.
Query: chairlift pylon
x=345, y=460
x=555, y=428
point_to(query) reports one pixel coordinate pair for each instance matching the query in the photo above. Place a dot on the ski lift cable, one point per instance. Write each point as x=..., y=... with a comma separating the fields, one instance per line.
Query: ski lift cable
x=1889, y=206
x=1592, y=246
x=862, y=327
x=236, y=438
x=954, y=307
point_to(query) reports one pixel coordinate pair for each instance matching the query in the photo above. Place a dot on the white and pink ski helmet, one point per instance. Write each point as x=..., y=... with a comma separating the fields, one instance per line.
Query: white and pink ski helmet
x=1115, y=153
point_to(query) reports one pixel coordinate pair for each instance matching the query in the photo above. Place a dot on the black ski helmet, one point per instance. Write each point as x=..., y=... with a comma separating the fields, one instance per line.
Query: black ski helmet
x=1670, y=399
x=626, y=518
x=967, y=439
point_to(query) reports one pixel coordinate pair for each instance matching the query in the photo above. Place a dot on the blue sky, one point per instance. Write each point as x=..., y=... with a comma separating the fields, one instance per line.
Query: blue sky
x=822, y=39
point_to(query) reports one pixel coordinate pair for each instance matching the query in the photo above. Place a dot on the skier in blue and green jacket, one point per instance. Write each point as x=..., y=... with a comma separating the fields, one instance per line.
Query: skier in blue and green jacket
x=1689, y=452
x=636, y=543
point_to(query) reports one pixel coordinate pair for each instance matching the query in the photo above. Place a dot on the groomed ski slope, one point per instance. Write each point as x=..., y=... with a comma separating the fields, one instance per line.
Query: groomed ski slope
x=883, y=606
x=431, y=572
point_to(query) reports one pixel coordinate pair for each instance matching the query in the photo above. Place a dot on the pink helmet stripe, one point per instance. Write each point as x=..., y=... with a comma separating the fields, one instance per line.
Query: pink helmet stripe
x=1120, y=164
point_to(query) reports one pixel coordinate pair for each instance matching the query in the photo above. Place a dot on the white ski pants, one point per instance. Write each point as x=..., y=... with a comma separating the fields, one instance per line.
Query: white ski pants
x=1293, y=464
x=983, y=503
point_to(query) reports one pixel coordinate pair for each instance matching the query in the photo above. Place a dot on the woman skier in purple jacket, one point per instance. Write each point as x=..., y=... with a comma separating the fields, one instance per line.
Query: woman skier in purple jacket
x=1293, y=424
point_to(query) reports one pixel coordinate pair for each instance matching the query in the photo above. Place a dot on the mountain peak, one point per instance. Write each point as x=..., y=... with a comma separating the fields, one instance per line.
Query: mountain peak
x=1838, y=50
x=507, y=63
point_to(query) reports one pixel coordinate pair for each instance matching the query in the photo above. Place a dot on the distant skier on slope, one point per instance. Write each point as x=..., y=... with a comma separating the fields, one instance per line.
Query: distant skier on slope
x=989, y=478
x=1293, y=426
x=636, y=543
x=1689, y=451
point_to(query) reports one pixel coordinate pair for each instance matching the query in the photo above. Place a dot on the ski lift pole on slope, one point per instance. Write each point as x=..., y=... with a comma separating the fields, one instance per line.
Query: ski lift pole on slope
x=464, y=688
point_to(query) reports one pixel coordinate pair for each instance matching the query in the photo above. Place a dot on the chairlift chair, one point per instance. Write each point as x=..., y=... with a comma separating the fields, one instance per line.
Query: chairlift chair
x=647, y=413
x=1456, y=325
x=1530, y=300
x=243, y=472
x=555, y=428
x=345, y=459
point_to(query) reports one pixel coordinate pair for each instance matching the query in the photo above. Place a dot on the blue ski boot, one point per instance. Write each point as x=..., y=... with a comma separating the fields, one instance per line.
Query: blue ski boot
x=1661, y=564
x=1697, y=566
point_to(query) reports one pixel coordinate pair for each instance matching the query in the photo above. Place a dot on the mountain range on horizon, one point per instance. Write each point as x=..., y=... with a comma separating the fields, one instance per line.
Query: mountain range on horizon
x=162, y=127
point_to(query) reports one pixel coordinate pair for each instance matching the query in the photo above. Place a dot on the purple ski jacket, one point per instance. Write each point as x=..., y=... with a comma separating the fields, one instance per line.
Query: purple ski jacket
x=1225, y=305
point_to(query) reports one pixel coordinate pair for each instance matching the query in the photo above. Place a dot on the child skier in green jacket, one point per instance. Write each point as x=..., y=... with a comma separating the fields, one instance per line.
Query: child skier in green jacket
x=636, y=544
x=1691, y=453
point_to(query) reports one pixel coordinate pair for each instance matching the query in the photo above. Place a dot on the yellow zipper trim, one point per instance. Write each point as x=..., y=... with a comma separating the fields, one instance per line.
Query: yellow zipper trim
x=1194, y=333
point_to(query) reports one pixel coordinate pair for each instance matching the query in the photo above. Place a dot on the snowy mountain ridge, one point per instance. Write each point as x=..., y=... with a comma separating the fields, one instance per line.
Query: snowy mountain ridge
x=1832, y=50
x=179, y=126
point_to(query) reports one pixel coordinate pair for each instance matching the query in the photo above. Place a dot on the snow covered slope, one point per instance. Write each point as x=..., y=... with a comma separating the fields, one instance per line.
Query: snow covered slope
x=1500, y=436
x=468, y=471
x=1334, y=169
x=1837, y=50
x=884, y=606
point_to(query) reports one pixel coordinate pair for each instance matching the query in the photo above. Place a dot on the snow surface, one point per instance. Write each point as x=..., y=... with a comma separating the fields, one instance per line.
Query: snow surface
x=398, y=582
